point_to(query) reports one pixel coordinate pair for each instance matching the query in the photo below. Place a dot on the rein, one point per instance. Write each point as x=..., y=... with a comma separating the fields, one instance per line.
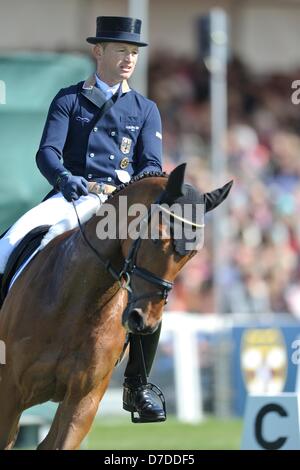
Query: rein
x=130, y=269
x=106, y=263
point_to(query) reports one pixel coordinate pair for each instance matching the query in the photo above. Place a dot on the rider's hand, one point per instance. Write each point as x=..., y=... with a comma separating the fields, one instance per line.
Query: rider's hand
x=72, y=187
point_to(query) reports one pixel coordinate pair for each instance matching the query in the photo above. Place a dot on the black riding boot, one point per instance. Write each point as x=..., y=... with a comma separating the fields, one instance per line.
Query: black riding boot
x=136, y=396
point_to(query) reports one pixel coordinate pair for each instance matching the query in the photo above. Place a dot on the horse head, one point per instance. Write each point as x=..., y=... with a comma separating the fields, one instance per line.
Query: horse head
x=153, y=262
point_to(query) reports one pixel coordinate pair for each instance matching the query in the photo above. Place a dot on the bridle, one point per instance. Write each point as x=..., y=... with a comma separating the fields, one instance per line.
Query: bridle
x=130, y=269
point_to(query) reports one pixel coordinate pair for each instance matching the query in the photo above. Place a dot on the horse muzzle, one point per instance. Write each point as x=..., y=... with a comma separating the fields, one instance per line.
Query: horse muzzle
x=135, y=323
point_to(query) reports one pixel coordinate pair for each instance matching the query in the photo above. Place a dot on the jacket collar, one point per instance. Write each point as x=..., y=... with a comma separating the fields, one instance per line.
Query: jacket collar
x=95, y=95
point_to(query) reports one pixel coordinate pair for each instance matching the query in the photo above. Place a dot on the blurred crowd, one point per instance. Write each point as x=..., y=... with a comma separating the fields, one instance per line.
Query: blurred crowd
x=260, y=242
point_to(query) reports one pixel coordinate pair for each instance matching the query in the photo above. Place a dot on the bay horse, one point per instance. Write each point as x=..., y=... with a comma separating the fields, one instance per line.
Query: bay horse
x=65, y=319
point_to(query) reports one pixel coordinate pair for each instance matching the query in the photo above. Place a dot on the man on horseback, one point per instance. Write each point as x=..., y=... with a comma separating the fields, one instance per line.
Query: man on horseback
x=100, y=131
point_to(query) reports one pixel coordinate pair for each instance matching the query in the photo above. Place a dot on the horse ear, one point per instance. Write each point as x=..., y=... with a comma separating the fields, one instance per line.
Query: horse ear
x=174, y=188
x=217, y=196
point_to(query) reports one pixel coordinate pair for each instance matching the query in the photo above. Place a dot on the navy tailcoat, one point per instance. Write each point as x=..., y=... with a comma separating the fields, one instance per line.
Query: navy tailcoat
x=127, y=137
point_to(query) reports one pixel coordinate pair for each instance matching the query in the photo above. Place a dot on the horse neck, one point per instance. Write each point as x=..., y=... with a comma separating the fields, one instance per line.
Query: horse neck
x=85, y=263
x=144, y=192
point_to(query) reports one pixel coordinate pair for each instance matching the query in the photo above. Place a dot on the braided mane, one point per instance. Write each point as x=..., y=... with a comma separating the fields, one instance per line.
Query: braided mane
x=147, y=174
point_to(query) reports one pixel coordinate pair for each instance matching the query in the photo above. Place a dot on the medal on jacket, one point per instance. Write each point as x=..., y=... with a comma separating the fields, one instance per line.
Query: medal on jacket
x=124, y=163
x=125, y=145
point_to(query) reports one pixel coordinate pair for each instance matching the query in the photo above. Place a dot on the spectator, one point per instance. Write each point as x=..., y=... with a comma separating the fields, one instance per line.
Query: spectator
x=262, y=238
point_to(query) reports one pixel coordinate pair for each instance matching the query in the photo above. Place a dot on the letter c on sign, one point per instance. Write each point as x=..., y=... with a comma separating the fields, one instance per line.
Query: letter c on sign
x=269, y=445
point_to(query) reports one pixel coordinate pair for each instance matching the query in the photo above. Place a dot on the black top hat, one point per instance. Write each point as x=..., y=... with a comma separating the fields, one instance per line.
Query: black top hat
x=118, y=29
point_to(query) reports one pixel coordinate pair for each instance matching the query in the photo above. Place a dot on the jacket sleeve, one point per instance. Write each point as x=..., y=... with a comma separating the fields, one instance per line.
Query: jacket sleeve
x=49, y=155
x=148, y=153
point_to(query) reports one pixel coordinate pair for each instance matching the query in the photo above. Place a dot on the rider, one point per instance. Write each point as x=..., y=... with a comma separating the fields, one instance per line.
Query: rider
x=100, y=131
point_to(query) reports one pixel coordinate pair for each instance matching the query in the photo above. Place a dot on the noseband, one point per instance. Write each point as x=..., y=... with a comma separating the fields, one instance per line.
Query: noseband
x=131, y=269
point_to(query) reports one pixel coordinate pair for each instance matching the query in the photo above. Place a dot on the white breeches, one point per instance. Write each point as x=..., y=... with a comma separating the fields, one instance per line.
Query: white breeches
x=57, y=212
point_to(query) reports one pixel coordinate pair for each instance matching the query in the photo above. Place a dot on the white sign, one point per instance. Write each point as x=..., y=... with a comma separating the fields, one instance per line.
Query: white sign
x=2, y=92
x=272, y=422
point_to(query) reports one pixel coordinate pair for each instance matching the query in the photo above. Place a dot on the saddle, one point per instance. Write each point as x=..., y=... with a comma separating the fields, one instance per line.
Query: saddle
x=32, y=240
x=19, y=256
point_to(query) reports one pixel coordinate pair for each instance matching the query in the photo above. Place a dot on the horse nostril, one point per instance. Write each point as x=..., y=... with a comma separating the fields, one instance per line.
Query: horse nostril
x=135, y=320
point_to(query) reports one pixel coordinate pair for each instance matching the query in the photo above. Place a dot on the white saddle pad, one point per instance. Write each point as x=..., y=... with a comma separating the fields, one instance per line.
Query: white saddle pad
x=86, y=208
